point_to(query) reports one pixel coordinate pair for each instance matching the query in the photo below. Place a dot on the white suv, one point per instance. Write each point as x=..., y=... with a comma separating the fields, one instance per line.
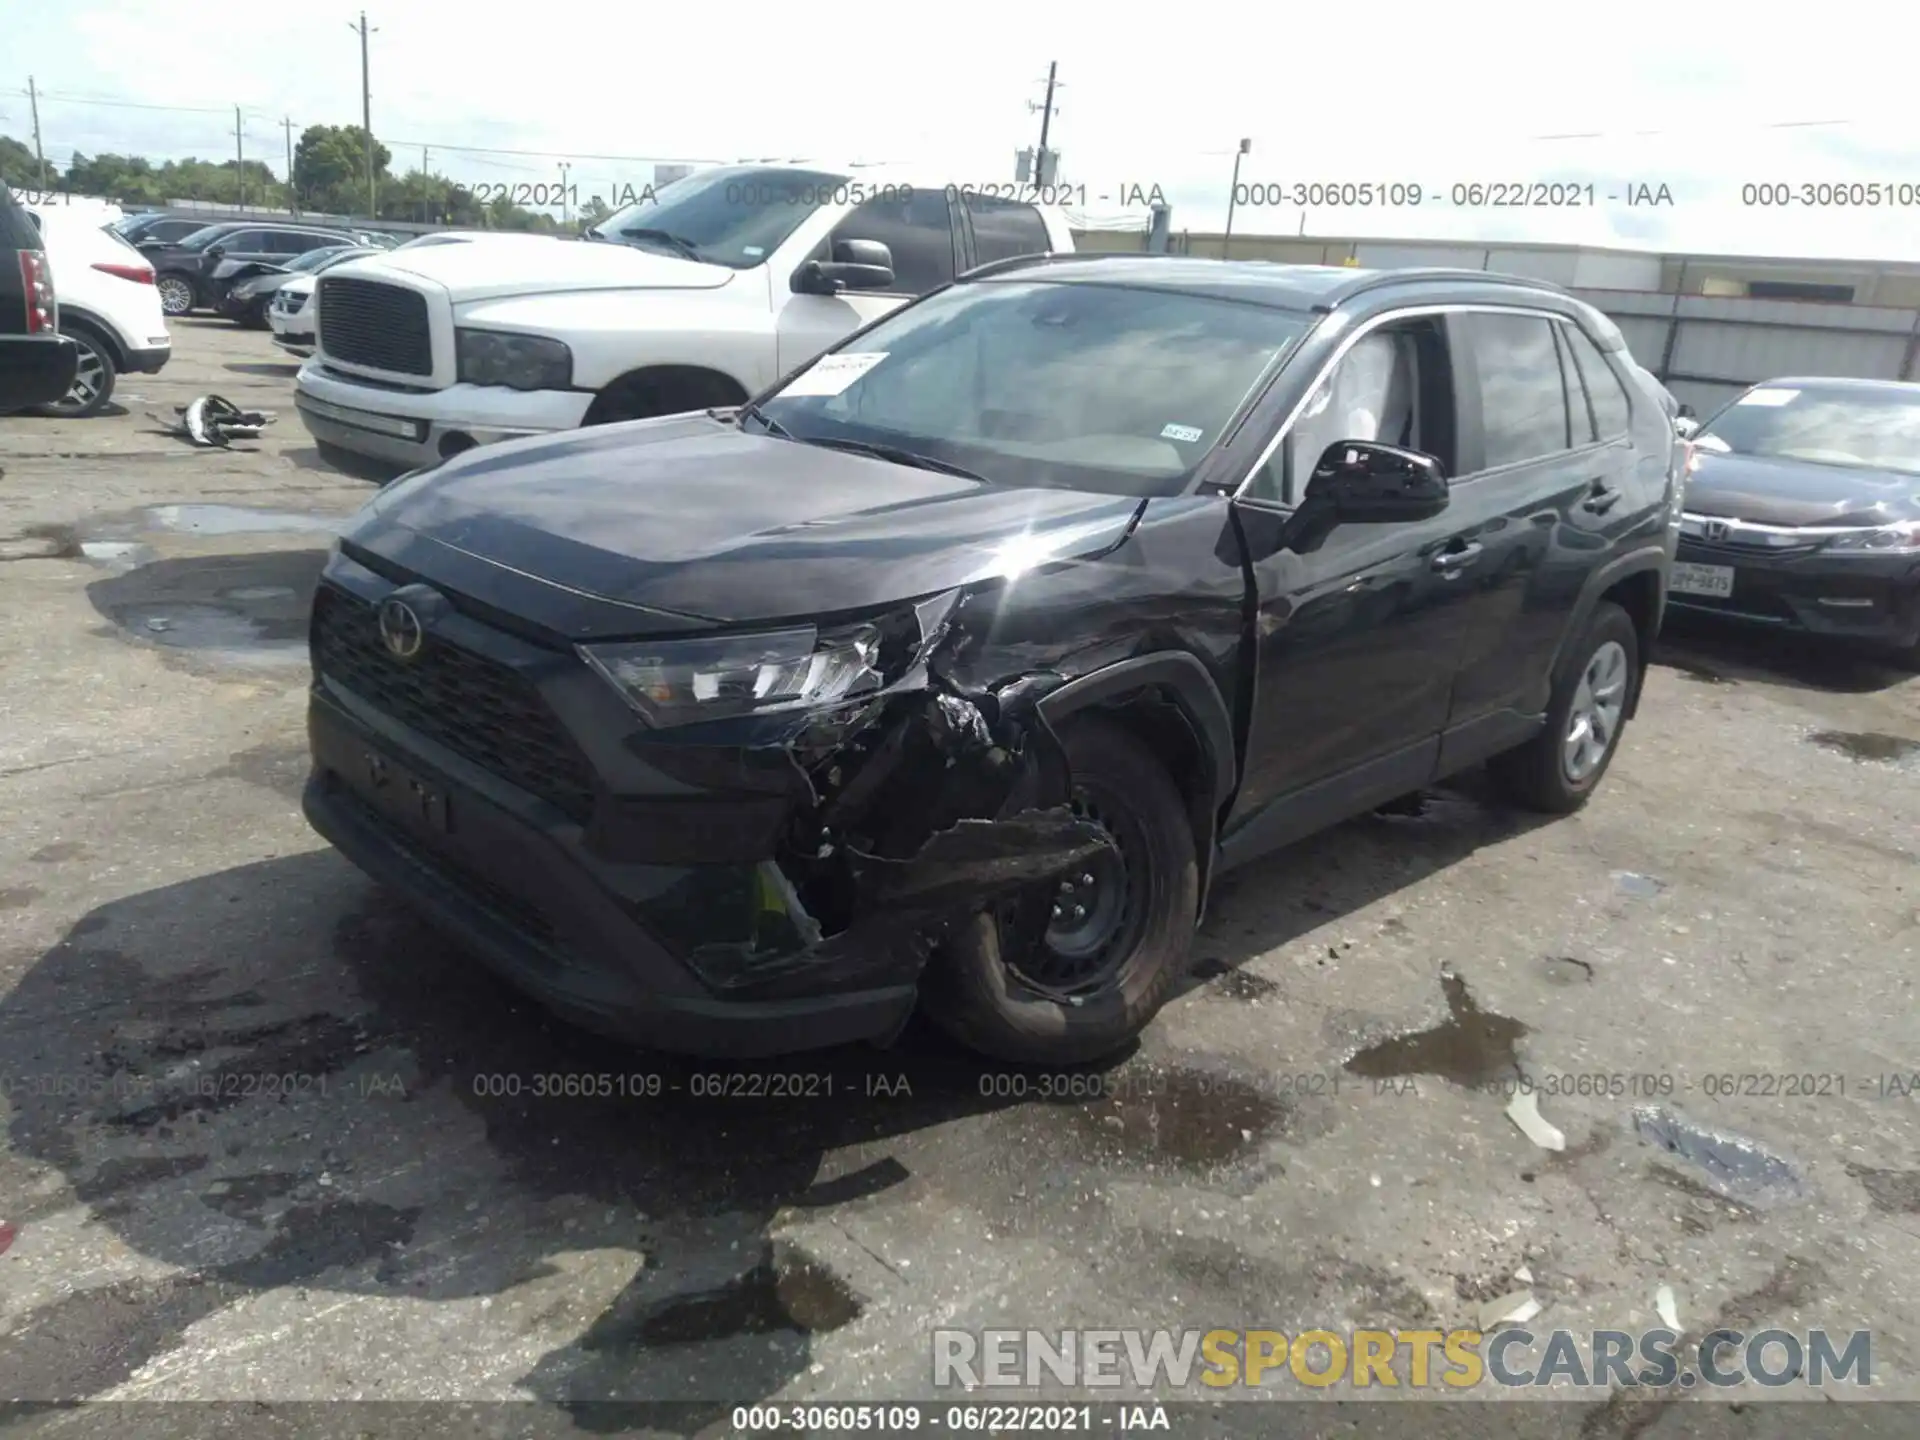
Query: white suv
x=700, y=296
x=108, y=307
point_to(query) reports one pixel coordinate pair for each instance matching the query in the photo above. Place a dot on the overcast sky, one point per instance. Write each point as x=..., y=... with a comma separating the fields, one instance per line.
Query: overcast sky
x=1695, y=96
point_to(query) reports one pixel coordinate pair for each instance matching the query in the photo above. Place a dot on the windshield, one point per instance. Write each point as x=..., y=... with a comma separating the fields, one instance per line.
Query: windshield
x=729, y=216
x=1859, y=428
x=330, y=258
x=1088, y=387
x=202, y=238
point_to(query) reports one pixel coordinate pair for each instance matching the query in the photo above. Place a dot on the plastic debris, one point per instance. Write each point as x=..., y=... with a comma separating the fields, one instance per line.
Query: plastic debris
x=1515, y=1309
x=1524, y=1274
x=1525, y=1112
x=214, y=422
x=1669, y=1311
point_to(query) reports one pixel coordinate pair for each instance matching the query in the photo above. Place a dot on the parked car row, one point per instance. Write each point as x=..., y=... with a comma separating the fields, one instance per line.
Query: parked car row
x=196, y=270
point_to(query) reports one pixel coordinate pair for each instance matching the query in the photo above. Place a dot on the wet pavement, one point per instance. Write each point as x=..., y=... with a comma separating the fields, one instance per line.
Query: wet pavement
x=268, y=1136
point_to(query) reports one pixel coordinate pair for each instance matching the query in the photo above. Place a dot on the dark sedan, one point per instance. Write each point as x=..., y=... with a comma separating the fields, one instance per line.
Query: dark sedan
x=250, y=284
x=1803, y=511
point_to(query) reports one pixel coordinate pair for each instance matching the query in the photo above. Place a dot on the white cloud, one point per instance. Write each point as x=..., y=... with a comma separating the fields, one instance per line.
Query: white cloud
x=1152, y=96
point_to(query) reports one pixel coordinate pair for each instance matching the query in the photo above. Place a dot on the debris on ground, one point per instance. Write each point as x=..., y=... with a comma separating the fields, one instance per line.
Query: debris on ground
x=1733, y=1166
x=1515, y=1309
x=214, y=422
x=1666, y=1307
x=1525, y=1112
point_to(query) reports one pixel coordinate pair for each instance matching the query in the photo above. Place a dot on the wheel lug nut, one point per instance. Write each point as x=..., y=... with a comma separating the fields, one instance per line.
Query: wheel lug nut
x=1066, y=887
x=1086, y=879
x=1079, y=912
x=1056, y=912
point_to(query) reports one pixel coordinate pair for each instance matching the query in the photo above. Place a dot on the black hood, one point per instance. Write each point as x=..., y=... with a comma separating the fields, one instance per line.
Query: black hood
x=693, y=521
x=1797, y=492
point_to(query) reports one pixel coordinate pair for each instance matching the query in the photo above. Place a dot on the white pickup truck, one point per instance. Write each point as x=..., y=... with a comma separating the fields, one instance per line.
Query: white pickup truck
x=700, y=295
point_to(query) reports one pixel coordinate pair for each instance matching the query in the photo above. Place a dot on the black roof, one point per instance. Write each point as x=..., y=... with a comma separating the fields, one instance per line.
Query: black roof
x=1259, y=282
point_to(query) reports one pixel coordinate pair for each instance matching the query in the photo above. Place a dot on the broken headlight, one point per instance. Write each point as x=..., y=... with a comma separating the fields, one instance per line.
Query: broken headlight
x=674, y=682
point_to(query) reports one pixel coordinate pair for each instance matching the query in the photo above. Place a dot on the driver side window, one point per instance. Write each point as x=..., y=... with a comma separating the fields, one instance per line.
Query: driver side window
x=1393, y=386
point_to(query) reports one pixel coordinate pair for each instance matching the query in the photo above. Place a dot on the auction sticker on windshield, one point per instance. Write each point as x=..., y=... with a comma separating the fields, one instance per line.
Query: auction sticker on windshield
x=1770, y=397
x=831, y=374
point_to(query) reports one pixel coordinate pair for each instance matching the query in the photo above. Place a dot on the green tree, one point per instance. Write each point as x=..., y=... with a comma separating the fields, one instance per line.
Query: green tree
x=18, y=167
x=593, y=212
x=330, y=168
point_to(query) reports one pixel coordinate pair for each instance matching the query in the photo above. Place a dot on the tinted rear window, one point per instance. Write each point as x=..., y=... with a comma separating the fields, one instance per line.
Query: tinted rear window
x=17, y=232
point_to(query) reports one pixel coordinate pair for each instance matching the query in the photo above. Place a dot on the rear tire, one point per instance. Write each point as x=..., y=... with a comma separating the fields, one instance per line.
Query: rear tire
x=177, y=295
x=973, y=992
x=93, y=379
x=1557, y=770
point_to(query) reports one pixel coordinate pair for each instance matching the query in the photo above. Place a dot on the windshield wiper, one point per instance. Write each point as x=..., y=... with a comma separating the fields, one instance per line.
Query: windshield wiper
x=899, y=456
x=774, y=427
x=682, y=246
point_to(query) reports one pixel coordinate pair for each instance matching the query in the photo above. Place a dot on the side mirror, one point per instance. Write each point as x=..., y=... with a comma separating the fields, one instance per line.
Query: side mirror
x=856, y=265
x=1687, y=426
x=216, y=252
x=1367, y=483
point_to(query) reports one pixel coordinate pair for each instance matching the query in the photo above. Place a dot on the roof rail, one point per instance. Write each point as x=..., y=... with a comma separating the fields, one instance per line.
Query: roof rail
x=1057, y=257
x=1420, y=272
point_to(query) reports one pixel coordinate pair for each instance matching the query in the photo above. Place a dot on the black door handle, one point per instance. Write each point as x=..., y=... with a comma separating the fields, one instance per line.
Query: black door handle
x=1448, y=561
x=1602, y=498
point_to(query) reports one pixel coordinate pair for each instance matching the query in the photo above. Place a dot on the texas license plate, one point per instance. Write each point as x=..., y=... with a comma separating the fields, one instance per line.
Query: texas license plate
x=404, y=795
x=1714, y=580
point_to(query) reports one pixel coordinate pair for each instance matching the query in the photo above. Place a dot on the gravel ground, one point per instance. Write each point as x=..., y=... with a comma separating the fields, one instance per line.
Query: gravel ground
x=268, y=1138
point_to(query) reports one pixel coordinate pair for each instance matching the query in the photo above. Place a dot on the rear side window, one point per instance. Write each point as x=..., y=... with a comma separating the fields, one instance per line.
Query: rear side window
x=243, y=242
x=295, y=242
x=1609, y=396
x=1523, y=399
x=1004, y=228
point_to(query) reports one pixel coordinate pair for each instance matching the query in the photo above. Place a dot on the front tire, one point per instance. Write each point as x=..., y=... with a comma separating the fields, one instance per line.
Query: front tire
x=93, y=380
x=1557, y=770
x=1113, y=950
x=177, y=295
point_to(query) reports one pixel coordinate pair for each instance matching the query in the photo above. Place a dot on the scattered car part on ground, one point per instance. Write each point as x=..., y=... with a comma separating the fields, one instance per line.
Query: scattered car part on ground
x=108, y=306
x=733, y=277
x=214, y=422
x=1075, y=583
x=37, y=362
x=1803, y=511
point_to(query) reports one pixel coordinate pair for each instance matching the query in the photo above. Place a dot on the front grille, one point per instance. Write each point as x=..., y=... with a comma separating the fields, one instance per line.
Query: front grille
x=480, y=710
x=366, y=322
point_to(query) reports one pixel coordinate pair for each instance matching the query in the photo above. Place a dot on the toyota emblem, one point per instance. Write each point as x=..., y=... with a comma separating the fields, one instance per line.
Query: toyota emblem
x=1716, y=530
x=400, y=630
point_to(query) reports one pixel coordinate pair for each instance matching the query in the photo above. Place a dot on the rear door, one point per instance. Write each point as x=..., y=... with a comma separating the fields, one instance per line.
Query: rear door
x=1541, y=484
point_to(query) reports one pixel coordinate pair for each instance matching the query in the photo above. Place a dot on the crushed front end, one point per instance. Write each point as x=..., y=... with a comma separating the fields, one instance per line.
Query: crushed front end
x=723, y=880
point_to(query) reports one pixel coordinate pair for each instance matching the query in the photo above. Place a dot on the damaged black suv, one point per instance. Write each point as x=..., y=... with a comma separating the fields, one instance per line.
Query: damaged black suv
x=953, y=669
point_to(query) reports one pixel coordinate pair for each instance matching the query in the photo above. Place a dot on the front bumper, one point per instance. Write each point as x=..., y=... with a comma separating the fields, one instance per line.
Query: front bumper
x=1872, y=598
x=411, y=427
x=523, y=897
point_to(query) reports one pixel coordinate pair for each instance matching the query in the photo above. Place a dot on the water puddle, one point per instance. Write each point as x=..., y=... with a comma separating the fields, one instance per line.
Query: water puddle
x=1193, y=1118
x=1731, y=1165
x=1472, y=1048
x=1893, y=1192
x=790, y=1294
x=1641, y=887
x=231, y=610
x=1868, y=746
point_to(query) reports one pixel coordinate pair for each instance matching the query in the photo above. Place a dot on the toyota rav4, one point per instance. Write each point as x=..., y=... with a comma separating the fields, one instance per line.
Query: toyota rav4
x=954, y=669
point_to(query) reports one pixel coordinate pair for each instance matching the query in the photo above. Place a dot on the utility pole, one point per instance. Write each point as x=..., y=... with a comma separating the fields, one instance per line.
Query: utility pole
x=1043, y=167
x=1246, y=147
x=293, y=198
x=366, y=117
x=33, y=99
x=425, y=160
x=564, y=167
x=239, y=160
